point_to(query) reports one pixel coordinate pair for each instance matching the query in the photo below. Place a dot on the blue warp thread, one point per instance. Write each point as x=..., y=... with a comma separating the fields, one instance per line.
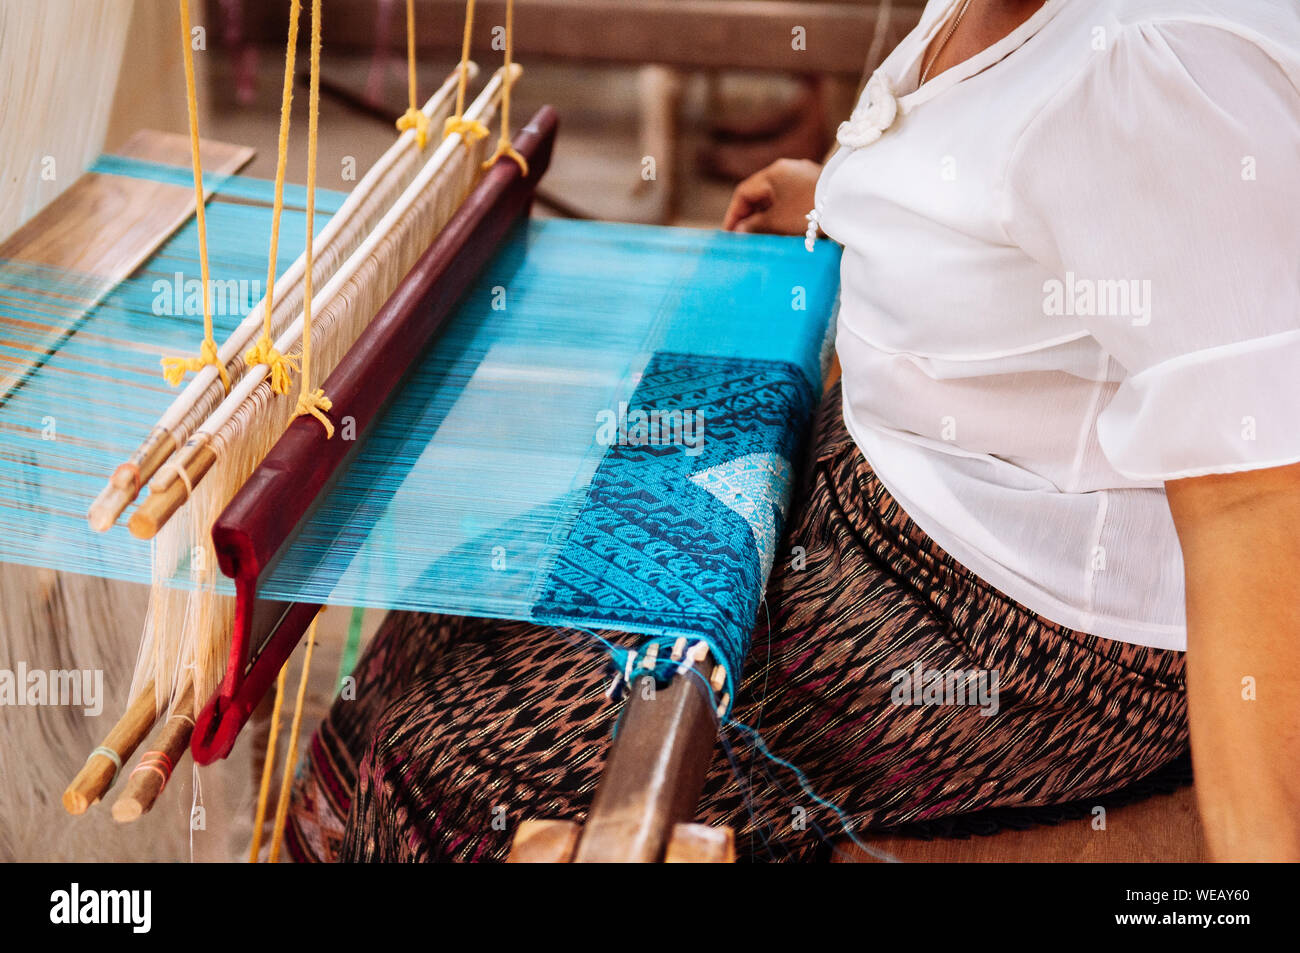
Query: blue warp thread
x=97, y=387
x=485, y=489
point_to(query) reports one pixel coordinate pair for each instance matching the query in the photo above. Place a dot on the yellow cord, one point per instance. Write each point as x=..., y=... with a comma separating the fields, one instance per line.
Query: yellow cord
x=470, y=130
x=286, y=779
x=175, y=368
x=313, y=402
x=264, y=352
x=504, y=148
x=268, y=766
x=414, y=117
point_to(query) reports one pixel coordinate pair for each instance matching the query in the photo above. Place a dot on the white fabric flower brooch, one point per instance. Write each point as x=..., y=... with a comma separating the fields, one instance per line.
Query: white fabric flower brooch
x=876, y=112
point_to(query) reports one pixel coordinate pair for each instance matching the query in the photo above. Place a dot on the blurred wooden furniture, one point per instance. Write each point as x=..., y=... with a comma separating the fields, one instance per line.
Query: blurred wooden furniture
x=1161, y=829
x=698, y=34
x=834, y=40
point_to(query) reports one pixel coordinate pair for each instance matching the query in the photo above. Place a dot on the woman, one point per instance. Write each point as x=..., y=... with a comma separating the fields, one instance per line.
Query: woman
x=1064, y=457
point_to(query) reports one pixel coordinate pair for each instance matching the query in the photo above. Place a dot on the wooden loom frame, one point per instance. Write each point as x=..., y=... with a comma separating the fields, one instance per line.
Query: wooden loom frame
x=265, y=512
x=658, y=764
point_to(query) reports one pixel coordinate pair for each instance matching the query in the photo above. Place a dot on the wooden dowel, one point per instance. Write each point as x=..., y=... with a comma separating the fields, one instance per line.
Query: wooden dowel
x=145, y=784
x=125, y=482
x=161, y=503
x=97, y=774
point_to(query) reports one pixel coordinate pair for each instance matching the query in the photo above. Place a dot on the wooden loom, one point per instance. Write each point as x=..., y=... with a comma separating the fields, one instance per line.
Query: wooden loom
x=264, y=513
x=401, y=200
x=658, y=764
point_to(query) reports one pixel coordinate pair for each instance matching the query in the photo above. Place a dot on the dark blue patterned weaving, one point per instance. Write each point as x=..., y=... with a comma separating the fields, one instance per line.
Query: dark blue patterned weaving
x=674, y=542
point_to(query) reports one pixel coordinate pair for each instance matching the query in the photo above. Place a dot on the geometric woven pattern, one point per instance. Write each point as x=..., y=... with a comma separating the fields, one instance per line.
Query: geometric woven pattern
x=677, y=538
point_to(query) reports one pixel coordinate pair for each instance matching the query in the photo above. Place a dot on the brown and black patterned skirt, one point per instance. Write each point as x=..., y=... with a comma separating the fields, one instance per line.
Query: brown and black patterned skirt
x=462, y=727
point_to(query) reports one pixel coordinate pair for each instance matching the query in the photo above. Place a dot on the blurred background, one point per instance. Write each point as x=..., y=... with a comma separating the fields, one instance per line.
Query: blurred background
x=709, y=90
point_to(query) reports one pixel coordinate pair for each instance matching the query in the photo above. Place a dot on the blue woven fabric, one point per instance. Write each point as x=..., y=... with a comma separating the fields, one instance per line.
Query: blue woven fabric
x=672, y=543
x=487, y=488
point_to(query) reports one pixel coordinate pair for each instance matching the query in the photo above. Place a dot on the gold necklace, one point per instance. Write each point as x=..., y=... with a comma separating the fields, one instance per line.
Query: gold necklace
x=956, y=21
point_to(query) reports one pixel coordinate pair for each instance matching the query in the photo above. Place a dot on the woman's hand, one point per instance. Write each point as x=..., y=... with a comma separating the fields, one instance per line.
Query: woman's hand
x=776, y=200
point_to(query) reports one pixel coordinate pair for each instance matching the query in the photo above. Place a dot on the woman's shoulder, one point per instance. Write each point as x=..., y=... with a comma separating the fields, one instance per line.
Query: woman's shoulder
x=1104, y=51
x=1128, y=49
x=1267, y=22
x=1171, y=98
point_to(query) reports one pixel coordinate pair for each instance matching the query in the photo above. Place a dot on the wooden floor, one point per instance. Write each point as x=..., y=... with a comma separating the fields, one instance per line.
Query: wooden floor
x=1164, y=828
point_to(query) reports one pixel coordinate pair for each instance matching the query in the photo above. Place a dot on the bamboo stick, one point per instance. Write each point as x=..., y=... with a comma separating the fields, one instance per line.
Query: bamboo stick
x=96, y=775
x=149, y=777
x=204, y=389
x=125, y=482
x=167, y=491
x=157, y=508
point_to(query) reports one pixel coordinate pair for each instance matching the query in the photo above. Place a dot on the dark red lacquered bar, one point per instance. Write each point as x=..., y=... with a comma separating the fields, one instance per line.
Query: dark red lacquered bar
x=267, y=510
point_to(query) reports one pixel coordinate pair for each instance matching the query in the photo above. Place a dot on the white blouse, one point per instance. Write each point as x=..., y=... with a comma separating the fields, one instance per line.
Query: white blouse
x=1071, y=272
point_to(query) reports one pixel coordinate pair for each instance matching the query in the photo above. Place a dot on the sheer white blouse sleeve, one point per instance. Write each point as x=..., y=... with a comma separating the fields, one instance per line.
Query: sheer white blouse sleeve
x=1162, y=188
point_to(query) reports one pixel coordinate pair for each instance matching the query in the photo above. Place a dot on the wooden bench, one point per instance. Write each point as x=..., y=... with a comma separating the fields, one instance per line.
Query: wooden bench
x=1164, y=828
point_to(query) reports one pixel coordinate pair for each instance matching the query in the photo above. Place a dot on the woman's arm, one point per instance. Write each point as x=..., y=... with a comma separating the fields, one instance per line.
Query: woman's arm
x=1240, y=536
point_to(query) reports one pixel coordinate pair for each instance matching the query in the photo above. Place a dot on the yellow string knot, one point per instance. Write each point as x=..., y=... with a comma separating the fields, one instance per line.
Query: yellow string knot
x=175, y=368
x=471, y=130
x=417, y=120
x=264, y=352
x=504, y=148
x=315, y=403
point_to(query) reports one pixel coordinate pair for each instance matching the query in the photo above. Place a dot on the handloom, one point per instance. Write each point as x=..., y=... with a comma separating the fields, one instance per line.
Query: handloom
x=54, y=328
x=608, y=445
x=588, y=426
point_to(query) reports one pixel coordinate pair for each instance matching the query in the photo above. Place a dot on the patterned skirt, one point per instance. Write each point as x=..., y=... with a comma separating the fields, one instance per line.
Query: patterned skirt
x=888, y=684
